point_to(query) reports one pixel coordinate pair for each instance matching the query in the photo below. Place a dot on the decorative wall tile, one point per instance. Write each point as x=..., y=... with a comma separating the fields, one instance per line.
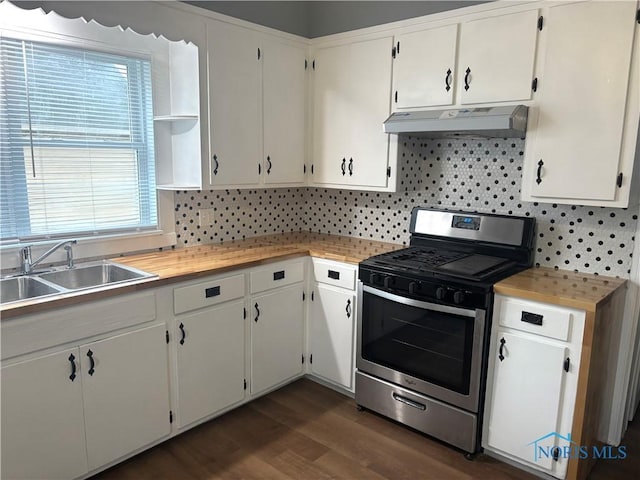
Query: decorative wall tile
x=463, y=174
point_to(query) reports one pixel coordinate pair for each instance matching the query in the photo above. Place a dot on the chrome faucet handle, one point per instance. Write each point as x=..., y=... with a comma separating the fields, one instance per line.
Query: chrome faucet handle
x=25, y=259
x=69, y=251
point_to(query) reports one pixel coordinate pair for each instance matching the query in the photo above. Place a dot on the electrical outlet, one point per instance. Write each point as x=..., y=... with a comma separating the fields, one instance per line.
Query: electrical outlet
x=205, y=217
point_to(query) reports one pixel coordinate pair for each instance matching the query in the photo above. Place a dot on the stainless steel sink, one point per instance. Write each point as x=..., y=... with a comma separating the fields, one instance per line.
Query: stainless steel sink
x=90, y=276
x=24, y=288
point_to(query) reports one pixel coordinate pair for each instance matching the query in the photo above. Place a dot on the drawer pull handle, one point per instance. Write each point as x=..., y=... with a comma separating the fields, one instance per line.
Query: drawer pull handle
x=278, y=275
x=467, y=74
x=500, y=353
x=184, y=335
x=257, y=312
x=567, y=364
x=348, y=309
x=532, y=318
x=212, y=292
x=407, y=401
x=333, y=274
x=343, y=167
x=72, y=377
x=555, y=453
x=92, y=363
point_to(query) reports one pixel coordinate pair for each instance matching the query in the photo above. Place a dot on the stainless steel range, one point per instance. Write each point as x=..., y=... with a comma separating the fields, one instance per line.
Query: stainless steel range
x=424, y=319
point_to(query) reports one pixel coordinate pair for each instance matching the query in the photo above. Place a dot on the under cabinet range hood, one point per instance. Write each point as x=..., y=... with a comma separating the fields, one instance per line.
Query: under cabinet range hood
x=486, y=122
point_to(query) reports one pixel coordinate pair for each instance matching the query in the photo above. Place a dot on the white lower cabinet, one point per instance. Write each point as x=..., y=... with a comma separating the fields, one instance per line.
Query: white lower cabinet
x=42, y=418
x=277, y=331
x=126, y=398
x=210, y=360
x=73, y=411
x=331, y=329
x=531, y=389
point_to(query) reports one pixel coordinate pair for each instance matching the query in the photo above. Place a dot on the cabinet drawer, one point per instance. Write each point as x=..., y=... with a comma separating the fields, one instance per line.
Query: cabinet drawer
x=533, y=317
x=208, y=293
x=276, y=275
x=343, y=276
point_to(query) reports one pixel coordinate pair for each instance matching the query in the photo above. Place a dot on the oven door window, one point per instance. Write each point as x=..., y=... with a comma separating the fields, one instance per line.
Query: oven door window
x=430, y=345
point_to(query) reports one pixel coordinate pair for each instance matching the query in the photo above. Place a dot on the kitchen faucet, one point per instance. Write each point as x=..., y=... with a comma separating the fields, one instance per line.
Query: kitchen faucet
x=27, y=264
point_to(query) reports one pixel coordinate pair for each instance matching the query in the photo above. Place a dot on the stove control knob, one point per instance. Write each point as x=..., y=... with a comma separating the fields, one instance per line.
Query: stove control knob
x=458, y=297
x=441, y=292
x=414, y=287
x=388, y=281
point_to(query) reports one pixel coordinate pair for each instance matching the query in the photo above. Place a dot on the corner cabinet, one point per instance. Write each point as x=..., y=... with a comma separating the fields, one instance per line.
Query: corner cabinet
x=581, y=137
x=351, y=91
x=257, y=92
x=533, y=377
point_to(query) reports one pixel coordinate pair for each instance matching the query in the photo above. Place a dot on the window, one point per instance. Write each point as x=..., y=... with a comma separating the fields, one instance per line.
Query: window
x=76, y=142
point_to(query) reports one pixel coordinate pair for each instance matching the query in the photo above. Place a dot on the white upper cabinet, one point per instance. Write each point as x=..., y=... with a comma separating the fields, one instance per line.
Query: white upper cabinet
x=352, y=86
x=234, y=105
x=284, y=113
x=497, y=57
x=424, y=68
x=582, y=131
x=257, y=93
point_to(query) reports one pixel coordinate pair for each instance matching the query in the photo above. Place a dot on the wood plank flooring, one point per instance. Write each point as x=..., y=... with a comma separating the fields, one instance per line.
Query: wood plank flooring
x=307, y=431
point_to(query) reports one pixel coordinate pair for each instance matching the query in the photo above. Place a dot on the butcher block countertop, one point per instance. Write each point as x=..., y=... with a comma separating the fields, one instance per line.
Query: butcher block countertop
x=181, y=264
x=560, y=287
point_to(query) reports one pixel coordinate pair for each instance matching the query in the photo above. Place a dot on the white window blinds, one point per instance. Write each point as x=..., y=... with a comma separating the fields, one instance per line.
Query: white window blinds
x=76, y=142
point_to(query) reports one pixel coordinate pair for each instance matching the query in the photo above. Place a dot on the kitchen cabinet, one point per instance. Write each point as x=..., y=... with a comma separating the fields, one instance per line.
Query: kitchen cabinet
x=210, y=347
x=424, y=68
x=584, y=124
x=234, y=106
x=125, y=386
x=43, y=433
x=332, y=314
x=257, y=94
x=276, y=316
x=533, y=376
x=284, y=113
x=494, y=63
x=352, y=86
x=496, y=58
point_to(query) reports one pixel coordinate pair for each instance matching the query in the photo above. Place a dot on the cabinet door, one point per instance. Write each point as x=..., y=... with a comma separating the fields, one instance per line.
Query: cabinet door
x=126, y=394
x=42, y=419
x=370, y=85
x=284, y=80
x=276, y=337
x=582, y=103
x=527, y=386
x=332, y=114
x=424, y=67
x=234, y=105
x=331, y=323
x=499, y=54
x=210, y=361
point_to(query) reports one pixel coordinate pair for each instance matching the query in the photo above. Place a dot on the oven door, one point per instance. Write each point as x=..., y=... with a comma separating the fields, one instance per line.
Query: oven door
x=432, y=349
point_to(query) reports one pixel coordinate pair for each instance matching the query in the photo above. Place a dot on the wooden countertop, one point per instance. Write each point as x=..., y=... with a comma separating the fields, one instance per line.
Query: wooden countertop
x=560, y=287
x=182, y=264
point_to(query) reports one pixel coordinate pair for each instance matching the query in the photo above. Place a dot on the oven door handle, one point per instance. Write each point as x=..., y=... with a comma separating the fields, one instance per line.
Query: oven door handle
x=407, y=401
x=464, y=312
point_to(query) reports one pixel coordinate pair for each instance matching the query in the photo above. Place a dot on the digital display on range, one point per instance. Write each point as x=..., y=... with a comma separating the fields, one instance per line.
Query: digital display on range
x=466, y=222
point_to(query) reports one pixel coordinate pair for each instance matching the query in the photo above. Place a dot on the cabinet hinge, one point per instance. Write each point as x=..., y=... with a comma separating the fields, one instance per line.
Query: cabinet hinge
x=245, y=383
x=311, y=359
x=619, y=180
x=389, y=172
x=534, y=84
x=540, y=22
x=170, y=416
x=166, y=335
x=244, y=313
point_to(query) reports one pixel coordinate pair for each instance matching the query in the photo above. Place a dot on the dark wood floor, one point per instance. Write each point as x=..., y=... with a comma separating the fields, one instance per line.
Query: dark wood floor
x=306, y=431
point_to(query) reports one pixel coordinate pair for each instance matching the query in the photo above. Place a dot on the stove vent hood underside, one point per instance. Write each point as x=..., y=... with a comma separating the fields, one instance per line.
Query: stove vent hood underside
x=486, y=122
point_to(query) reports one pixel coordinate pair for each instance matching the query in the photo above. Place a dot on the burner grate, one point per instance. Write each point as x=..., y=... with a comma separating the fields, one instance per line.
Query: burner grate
x=423, y=259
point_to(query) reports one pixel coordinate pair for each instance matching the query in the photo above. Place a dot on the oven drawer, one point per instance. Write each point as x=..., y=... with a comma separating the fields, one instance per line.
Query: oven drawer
x=425, y=414
x=207, y=293
x=277, y=275
x=533, y=317
x=331, y=273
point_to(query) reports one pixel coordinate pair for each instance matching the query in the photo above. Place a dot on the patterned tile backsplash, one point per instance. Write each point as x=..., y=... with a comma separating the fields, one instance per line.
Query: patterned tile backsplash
x=463, y=174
